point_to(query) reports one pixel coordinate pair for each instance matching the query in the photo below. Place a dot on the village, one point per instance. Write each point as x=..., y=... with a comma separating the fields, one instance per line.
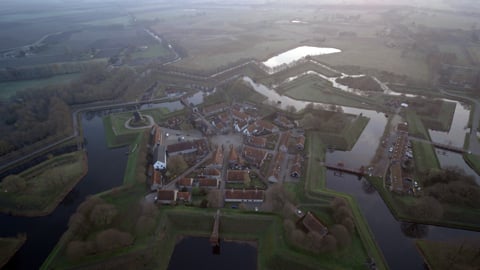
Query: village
x=247, y=154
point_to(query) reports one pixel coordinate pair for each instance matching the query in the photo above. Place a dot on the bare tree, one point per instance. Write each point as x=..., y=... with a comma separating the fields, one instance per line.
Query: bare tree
x=214, y=198
x=76, y=250
x=342, y=235
x=111, y=239
x=103, y=214
x=329, y=243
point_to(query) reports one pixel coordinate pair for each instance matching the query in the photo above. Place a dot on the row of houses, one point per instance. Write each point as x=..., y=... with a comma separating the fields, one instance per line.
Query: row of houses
x=164, y=196
x=398, y=152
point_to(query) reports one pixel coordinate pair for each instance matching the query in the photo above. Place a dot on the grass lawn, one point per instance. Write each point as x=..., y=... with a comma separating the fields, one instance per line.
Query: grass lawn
x=8, y=89
x=9, y=246
x=424, y=156
x=461, y=254
x=136, y=164
x=46, y=185
x=473, y=161
x=315, y=89
x=415, y=126
x=152, y=51
x=118, y=135
x=349, y=135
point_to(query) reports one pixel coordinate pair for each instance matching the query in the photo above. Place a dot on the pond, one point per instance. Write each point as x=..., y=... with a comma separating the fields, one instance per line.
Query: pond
x=197, y=253
x=297, y=54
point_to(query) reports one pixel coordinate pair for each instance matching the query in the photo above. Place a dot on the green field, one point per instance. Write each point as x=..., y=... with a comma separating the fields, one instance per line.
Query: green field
x=456, y=254
x=8, y=89
x=415, y=126
x=45, y=186
x=346, y=139
x=153, y=51
x=315, y=89
x=118, y=135
x=424, y=156
x=473, y=161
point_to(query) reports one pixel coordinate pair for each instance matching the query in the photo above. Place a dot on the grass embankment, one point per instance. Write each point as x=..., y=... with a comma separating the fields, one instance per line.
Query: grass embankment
x=473, y=161
x=449, y=255
x=136, y=164
x=315, y=89
x=45, y=185
x=425, y=157
x=9, y=246
x=415, y=126
x=153, y=247
x=453, y=216
x=435, y=114
x=118, y=135
x=347, y=138
x=315, y=188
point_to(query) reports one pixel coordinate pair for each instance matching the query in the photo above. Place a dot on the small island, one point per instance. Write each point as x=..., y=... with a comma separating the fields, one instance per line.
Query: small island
x=38, y=190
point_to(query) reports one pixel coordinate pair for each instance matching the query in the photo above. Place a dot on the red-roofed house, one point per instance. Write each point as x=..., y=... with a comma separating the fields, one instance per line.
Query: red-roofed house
x=283, y=122
x=212, y=173
x=241, y=195
x=274, y=175
x=296, y=170
x=217, y=160
x=185, y=197
x=166, y=196
x=300, y=142
x=215, y=108
x=256, y=141
x=156, y=180
x=283, y=144
x=185, y=183
x=208, y=183
x=240, y=116
x=266, y=126
x=255, y=156
x=233, y=156
x=237, y=176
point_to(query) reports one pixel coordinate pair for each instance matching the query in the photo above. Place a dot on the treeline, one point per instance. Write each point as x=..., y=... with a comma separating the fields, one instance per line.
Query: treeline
x=32, y=116
x=45, y=71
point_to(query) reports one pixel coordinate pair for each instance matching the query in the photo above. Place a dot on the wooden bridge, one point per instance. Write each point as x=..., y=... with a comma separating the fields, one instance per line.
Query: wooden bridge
x=341, y=168
x=214, y=237
x=449, y=148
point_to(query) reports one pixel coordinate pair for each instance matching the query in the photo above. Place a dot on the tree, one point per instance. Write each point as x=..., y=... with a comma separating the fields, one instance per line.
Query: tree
x=298, y=238
x=426, y=208
x=13, y=183
x=86, y=206
x=214, y=198
x=177, y=165
x=103, y=214
x=78, y=224
x=76, y=250
x=329, y=243
x=342, y=235
x=111, y=239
